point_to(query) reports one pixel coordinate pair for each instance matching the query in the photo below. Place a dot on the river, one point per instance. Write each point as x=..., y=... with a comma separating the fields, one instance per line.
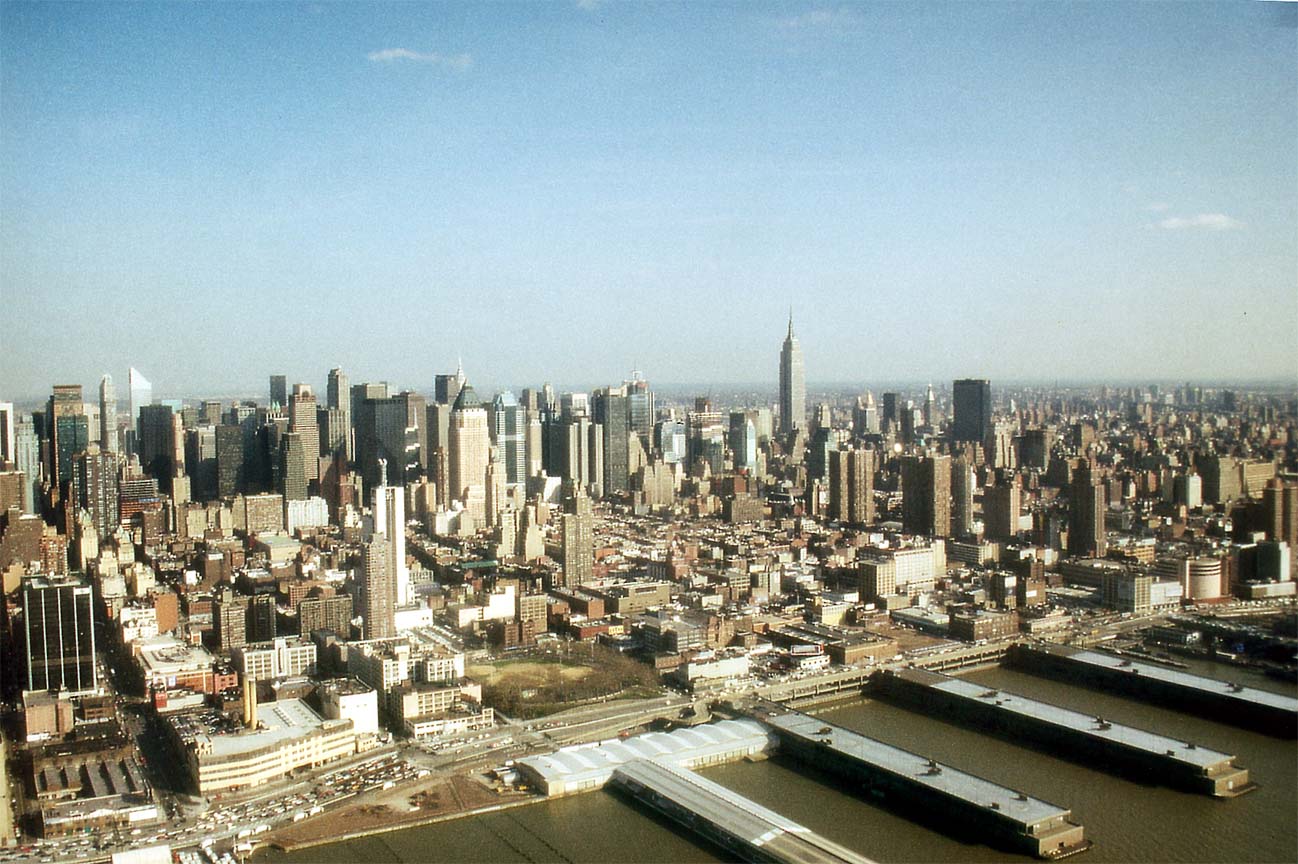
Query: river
x=1128, y=822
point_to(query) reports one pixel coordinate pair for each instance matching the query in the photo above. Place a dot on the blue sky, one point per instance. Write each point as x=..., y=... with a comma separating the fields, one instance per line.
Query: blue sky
x=556, y=191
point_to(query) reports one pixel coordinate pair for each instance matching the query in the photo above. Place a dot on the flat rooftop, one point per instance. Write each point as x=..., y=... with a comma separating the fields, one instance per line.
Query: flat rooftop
x=278, y=722
x=1171, y=748
x=733, y=814
x=162, y=655
x=940, y=778
x=1172, y=676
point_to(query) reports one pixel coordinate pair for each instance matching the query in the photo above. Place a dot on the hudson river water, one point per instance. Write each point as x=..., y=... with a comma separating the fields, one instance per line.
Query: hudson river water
x=1128, y=822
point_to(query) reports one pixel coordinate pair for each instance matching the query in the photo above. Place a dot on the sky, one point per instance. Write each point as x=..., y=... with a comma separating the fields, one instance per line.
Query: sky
x=568, y=191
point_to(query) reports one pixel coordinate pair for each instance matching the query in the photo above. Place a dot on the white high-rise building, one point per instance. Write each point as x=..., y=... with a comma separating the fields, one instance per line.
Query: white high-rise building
x=107, y=415
x=141, y=393
x=390, y=521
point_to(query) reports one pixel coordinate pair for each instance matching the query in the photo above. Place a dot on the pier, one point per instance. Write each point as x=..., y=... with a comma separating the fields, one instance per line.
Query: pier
x=725, y=818
x=1145, y=756
x=1260, y=710
x=946, y=798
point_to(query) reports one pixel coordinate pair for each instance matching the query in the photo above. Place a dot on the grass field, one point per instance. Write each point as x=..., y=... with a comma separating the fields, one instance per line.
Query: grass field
x=526, y=673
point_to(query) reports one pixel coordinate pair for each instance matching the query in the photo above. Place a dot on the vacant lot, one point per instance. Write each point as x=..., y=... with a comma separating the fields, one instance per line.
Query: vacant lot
x=526, y=673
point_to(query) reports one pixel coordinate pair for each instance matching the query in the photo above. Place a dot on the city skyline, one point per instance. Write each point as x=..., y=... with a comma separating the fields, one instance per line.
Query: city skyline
x=377, y=190
x=736, y=430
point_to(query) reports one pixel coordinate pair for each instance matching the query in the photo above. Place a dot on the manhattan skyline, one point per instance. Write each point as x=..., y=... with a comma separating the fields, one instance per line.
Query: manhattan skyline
x=562, y=193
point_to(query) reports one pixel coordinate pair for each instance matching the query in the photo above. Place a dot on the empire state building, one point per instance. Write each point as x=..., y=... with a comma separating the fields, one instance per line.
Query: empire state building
x=793, y=384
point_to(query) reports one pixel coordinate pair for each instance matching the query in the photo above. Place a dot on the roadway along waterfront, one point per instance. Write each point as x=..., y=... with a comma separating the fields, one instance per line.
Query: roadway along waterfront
x=1128, y=822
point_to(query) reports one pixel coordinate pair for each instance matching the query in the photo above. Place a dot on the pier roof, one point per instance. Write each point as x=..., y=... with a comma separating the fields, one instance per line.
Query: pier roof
x=1130, y=736
x=941, y=778
x=782, y=838
x=591, y=765
x=1173, y=676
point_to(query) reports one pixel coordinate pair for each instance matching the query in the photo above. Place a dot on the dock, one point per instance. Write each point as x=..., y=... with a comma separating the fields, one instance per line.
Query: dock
x=1227, y=702
x=725, y=818
x=945, y=797
x=1144, y=756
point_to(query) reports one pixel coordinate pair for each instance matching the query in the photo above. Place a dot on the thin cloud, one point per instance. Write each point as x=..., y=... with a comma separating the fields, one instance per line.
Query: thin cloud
x=1210, y=221
x=397, y=55
x=822, y=19
x=1158, y=207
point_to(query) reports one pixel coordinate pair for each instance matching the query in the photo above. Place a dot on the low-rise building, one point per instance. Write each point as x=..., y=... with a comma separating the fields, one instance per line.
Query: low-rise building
x=222, y=756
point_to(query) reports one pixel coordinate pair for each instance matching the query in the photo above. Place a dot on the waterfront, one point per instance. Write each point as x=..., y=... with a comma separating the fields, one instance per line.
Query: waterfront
x=1126, y=820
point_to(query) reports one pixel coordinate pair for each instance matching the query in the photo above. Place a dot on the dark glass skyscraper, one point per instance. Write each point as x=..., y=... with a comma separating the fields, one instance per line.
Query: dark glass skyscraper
x=231, y=446
x=1086, y=535
x=69, y=430
x=58, y=622
x=387, y=428
x=157, y=443
x=972, y=401
x=611, y=411
x=279, y=390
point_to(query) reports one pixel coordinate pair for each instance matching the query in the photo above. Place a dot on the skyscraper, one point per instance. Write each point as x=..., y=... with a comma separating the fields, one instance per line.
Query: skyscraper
x=1086, y=537
x=200, y=462
x=8, y=431
x=27, y=456
x=338, y=395
x=141, y=394
x=926, y=495
x=962, y=486
x=378, y=590
x=971, y=400
x=302, y=420
x=743, y=440
x=611, y=411
x=469, y=453
x=510, y=434
x=851, y=486
x=389, y=517
x=157, y=443
x=94, y=487
x=891, y=415
x=865, y=416
x=58, y=621
x=231, y=478
x=69, y=428
x=107, y=414
x=335, y=434
x=295, y=455
x=1001, y=507
x=446, y=388
x=279, y=390
x=578, y=539
x=793, y=384
x=384, y=430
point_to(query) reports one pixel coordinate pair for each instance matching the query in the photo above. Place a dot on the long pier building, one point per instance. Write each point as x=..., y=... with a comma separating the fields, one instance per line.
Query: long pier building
x=944, y=797
x=1145, y=756
x=1261, y=710
x=727, y=819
